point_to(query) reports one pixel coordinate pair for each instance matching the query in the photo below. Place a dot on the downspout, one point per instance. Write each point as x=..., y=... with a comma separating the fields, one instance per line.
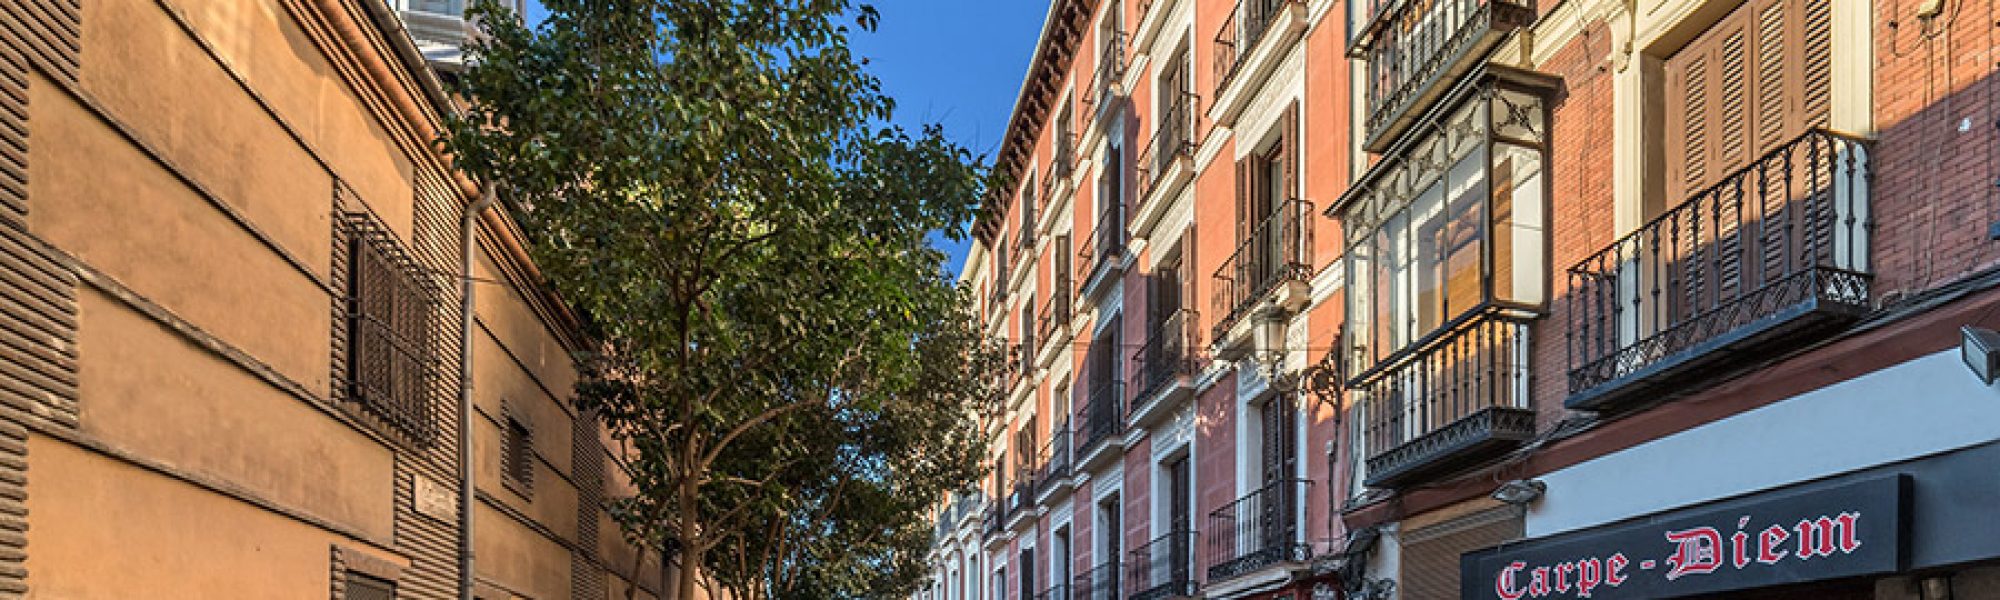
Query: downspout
x=468, y=232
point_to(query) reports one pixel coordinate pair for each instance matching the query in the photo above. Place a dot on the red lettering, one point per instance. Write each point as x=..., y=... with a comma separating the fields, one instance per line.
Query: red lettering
x=1739, y=553
x=1614, y=569
x=1538, y=582
x=1850, y=538
x=1767, y=544
x=1698, y=551
x=1817, y=536
x=1588, y=574
x=1562, y=576
x=1504, y=585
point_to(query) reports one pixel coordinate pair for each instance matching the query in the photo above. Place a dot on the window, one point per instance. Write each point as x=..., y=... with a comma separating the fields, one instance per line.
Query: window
x=1447, y=228
x=393, y=359
x=518, y=455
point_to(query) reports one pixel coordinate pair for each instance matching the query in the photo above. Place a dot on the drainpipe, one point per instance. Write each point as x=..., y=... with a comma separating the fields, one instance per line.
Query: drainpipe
x=468, y=232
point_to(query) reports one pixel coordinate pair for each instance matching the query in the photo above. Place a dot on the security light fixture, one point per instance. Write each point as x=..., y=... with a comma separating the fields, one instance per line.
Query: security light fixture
x=1981, y=350
x=1520, y=492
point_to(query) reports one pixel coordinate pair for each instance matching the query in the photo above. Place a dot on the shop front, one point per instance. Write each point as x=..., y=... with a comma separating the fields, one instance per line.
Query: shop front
x=1901, y=530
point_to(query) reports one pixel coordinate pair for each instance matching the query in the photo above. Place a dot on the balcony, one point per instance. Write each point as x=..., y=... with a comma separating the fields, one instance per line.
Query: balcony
x=1023, y=354
x=1249, y=47
x=1107, y=82
x=1166, y=366
x=1258, y=531
x=1768, y=259
x=1162, y=569
x=1100, y=436
x=1103, y=253
x=1272, y=262
x=1167, y=163
x=1021, y=498
x=1459, y=400
x=990, y=524
x=1416, y=49
x=1052, y=477
x=1100, y=583
x=1240, y=33
x=1058, y=591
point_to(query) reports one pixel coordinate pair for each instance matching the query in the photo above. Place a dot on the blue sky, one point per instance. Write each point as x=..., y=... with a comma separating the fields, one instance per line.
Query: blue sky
x=958, y=63
x=954, y=62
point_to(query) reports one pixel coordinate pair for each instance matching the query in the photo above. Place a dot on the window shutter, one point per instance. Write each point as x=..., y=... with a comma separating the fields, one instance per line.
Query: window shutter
x=1288, y=151
x=1758, y=78
x=1246, y=171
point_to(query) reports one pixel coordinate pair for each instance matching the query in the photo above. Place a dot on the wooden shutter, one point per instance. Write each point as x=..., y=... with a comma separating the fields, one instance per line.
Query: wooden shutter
x=1758, y=78
x=1289, y=236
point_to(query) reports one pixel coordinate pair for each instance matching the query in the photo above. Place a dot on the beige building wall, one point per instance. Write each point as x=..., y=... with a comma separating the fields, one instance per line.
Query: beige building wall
x=175, y=420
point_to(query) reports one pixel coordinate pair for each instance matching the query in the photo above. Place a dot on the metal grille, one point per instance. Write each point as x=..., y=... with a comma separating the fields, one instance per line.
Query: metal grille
x=1430, y=566
x=394, y=362
x=363, y=587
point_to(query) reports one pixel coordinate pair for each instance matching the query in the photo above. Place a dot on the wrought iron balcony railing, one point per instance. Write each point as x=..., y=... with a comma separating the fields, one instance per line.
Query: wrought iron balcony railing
x=1100, y=583
x=991, y=523
x=1021, y=492
x=1416, y=49
x=1107, y=82
x=1172, y=143
x=1024, y=352
x=1106, y=244
x=1461, y=398
x=1103, y=416
x=1058, y=591
x=1240, y=33
x=1278, y=250
x=1054, y=460
x=1258, y=530
x=1772, y=254
x=1162, y=568
x=1168, y=354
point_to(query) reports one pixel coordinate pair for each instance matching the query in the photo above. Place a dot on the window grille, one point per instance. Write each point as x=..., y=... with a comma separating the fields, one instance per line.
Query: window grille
x=394, y=358
x=364, y=587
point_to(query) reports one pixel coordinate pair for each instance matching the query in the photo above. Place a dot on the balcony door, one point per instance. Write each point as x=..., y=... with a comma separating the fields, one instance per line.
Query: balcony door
x=1277, y=515
x=1027, y=570
x=1180, y=521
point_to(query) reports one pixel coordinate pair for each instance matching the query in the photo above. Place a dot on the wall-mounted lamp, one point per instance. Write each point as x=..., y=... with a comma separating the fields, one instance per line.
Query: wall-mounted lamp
x=1520, y=492
x=1981, y=350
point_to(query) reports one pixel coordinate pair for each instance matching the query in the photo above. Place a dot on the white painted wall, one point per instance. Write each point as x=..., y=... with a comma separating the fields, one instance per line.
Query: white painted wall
x=1918, y=408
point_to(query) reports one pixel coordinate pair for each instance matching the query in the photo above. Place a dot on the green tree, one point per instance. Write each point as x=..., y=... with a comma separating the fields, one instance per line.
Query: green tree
x=792, y=376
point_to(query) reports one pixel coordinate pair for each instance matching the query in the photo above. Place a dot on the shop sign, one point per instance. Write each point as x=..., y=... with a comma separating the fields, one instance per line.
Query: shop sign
x=1843, y=531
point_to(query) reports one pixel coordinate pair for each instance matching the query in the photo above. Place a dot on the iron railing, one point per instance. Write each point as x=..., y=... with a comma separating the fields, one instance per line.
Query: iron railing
x=1100, y=583
x=1106, y=242
x=1169, y=353
x=1058, y=591
x=1785, y=237
x=1258, y=530
x=1103, y=416
x=1240, y=33
x=1162, y=568
x=995, y=513
x=1107, y=81
x=1065, y=155
x=1447, y=400
x=1278, y=250
x=1413, y=47
x=1021, y=490
x=1173, y=140
x=1054, y=459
